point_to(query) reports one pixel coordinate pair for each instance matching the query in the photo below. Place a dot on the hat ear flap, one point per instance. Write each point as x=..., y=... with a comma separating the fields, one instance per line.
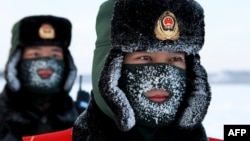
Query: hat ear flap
x=112, y=94
x=200, y=96
x=71, y=74
x=11, y=71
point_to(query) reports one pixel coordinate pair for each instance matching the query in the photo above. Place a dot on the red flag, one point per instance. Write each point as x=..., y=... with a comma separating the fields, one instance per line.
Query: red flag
x=214, y=139
x=64, y=135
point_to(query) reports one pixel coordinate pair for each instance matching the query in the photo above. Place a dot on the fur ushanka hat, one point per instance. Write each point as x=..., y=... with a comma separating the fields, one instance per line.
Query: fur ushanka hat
x=156, y=25
x=39, y=30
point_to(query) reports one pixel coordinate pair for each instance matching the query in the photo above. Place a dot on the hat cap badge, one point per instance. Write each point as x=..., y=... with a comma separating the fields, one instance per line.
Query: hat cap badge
x=167, y=27
x=46, y=31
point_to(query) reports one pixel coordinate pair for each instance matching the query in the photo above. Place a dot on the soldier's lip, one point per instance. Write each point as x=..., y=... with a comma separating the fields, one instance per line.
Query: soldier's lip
x=45, y=73
x=157, y=95
x=158, y=98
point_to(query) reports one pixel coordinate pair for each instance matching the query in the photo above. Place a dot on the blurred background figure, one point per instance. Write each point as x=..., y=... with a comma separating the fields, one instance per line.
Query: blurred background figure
x=39, y=75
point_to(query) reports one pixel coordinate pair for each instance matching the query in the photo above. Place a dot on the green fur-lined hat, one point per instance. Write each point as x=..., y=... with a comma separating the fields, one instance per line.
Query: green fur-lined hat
x=42, y=30
x=170, y=25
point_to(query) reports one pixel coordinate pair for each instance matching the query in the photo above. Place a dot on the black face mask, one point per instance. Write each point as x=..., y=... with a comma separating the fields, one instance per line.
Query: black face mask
x=136, y=79
x=38, y=88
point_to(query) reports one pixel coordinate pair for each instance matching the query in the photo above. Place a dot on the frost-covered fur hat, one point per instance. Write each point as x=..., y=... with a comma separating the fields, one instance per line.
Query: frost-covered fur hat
x=156, y=25
x=39, y=30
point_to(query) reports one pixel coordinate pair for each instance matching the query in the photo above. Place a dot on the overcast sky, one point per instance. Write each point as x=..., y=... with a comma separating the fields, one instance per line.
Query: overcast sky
x=227, y=30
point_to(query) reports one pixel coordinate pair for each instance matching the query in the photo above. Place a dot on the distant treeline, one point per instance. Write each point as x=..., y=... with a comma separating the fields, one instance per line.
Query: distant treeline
x=1, y=74
x=230, y=77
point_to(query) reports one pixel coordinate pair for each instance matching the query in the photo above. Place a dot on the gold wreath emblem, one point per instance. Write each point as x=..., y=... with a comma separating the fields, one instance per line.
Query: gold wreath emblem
x=46, y=31
x=167, y=27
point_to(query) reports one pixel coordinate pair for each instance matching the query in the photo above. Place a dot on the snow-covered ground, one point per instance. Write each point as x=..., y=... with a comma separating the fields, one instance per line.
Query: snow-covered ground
x=230, y=105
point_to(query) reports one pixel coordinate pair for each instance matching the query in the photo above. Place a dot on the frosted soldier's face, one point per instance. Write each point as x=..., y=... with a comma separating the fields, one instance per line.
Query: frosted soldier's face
x=174, y=59
x=42, y=70
x=155, y=85
x=36, y=52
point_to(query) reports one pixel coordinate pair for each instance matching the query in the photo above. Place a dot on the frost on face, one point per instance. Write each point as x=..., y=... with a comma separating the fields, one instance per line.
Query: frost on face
x=138, y=79
x=33, y=66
